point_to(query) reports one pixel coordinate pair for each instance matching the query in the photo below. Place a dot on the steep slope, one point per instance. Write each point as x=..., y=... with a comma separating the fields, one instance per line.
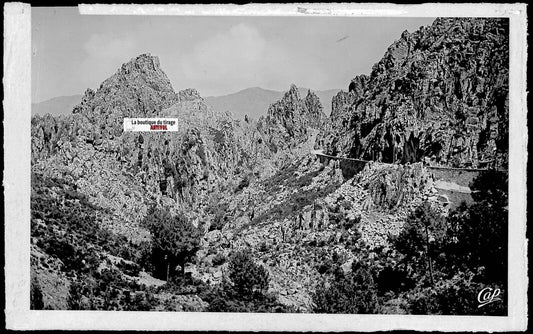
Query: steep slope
x=439, y=93
x=127, y=172
x=306, y=217
x=61, y=105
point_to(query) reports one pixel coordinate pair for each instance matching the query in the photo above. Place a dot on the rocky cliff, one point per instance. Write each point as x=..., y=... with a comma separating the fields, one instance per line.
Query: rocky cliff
x=439, y=94
x=211, y=152
x=139, y=88
x=289, y=120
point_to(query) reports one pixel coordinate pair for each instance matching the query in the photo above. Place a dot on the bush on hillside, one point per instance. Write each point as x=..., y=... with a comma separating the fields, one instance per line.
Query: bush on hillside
x=246, y=291
x=352, y=293
x=465, y=252
x=175, y=241
x=248, y=278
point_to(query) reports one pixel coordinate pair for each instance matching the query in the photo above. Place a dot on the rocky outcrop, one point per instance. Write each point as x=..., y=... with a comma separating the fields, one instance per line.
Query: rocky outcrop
x=288, y=120
x=440, y=93
x=307, y=214
x=210, y=151
x=315, y=116
x=138, y=89
x=47, y=133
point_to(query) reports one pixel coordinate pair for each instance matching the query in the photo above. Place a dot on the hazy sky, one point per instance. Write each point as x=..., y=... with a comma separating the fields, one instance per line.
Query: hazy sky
x=215, y=55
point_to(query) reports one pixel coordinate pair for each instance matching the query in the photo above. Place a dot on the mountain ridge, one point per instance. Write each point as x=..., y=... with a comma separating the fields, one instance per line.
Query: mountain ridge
x=254, y=101
x=63, y=105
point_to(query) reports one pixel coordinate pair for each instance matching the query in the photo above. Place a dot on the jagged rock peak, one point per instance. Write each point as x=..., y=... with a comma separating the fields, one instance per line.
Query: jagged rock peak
x=314, y=110
x=144, y=60
x=149, y=69
x=139, y=88
x=293, y=89
x=288, y=120
x=358, y=85
x=290, y=106
x=311, y=95
x=311, y=99
x=189, y=94
x=292, y=93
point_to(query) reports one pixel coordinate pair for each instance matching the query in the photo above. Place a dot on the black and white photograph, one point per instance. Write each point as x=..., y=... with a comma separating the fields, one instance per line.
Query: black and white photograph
x=273, y=164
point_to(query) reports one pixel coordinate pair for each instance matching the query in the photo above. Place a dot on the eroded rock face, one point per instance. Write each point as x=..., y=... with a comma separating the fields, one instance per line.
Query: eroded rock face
x=439, y=93
x=209, y=152
x=138, y=89
x=289, y=119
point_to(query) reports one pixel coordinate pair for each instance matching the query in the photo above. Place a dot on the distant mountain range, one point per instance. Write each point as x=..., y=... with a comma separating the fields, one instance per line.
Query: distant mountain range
x=255, y=101
x=61, y=105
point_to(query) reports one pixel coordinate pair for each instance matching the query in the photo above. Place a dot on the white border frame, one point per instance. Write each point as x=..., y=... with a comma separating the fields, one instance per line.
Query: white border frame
x=17, y=111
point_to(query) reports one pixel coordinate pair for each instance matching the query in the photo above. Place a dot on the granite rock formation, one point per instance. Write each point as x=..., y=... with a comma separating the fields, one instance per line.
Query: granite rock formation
x=288, y=120
x=210, y=151
x=439, y=94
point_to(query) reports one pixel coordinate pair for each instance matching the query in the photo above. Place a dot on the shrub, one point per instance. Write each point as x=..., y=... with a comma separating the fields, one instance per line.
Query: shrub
x=175, y=241
x=351, y=223
x=61, y=249
x=490, y=186
x=454, y=296
x=217, y=208
x=478, y=237
x=219, y=259
x=346, y=205
x=351, y=293
x=421, y=240
x=129, y=268
x=108, y=290
x=468, y=248
x=263, y=247
x=143, y=255
x=393, y=278
x=248, y=278
x=477, y=234
x=225, y=298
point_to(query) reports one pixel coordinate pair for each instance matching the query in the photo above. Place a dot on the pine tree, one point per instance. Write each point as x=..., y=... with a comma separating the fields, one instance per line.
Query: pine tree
x=248, y=277
x=175, y=240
